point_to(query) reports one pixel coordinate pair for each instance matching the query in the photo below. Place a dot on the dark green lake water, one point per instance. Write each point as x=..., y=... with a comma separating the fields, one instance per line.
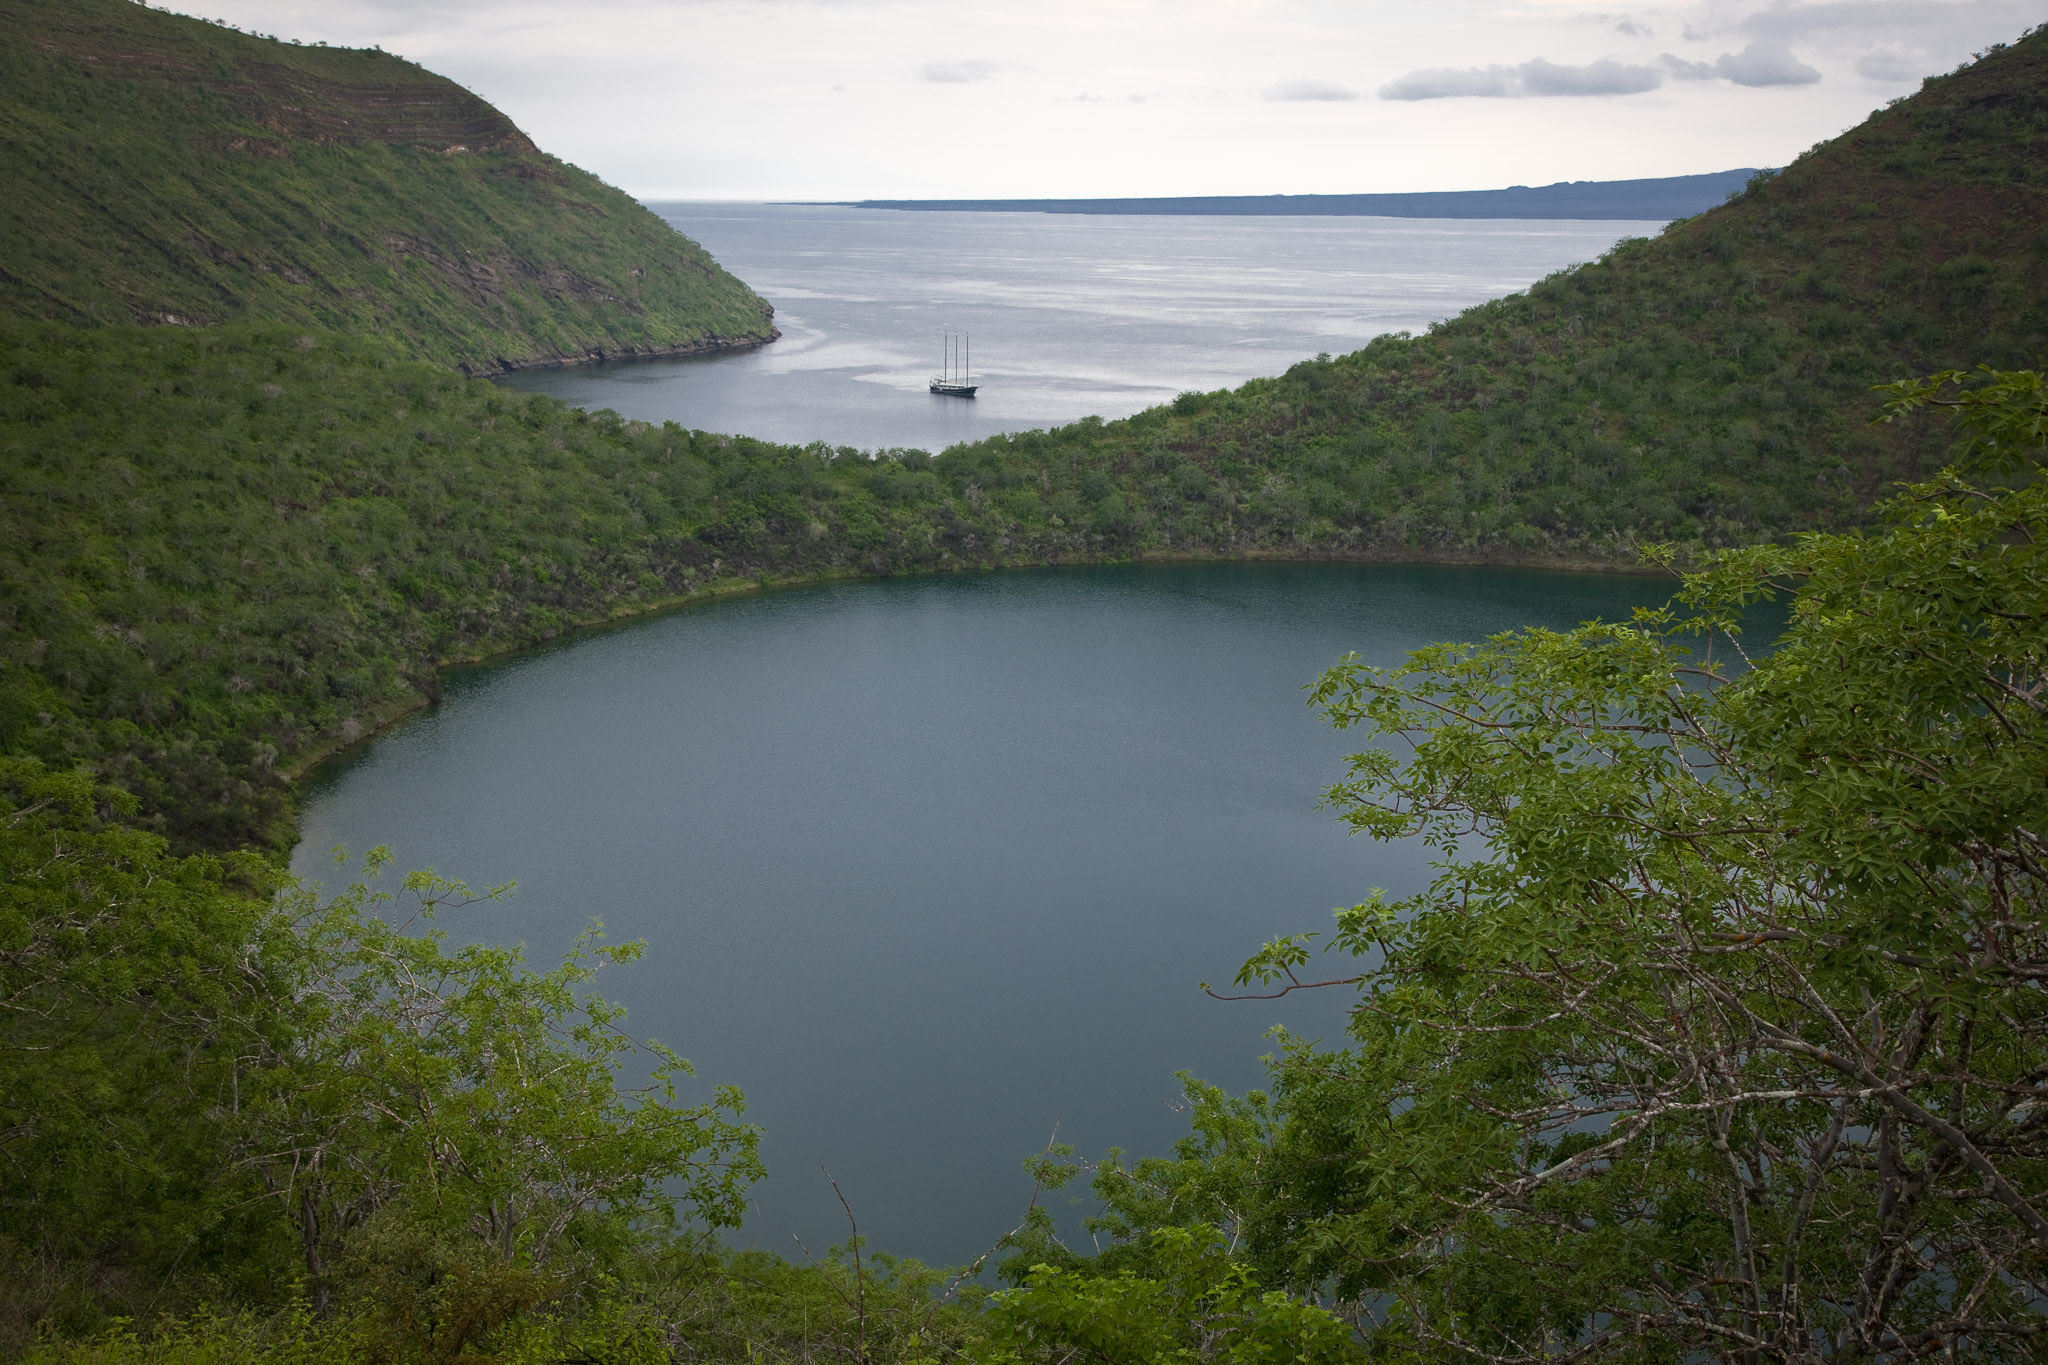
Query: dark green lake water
x=926, y=865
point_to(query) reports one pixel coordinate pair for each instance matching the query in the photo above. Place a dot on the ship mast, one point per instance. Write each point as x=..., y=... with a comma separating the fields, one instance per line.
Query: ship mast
x=956, y=364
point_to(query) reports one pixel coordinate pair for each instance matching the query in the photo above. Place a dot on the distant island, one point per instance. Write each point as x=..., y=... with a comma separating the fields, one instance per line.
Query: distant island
x=1674, y=196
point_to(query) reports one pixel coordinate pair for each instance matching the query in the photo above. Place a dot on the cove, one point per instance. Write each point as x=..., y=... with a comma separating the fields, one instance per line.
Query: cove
x=1070, y=314
x=927, y=865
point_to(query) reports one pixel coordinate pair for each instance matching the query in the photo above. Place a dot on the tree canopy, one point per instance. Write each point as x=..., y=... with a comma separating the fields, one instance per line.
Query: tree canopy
x=1721, y=1031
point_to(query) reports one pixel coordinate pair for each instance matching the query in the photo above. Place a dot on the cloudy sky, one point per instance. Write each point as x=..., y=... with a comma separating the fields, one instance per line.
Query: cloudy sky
x=844, y=99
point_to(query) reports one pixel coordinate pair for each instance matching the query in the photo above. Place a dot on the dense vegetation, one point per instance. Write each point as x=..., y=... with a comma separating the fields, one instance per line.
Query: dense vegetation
x=1720, y=1033
x=1709, y=387
x=1660, y=1022
x=165, y=170
x=232, y=549
x=285, y=1106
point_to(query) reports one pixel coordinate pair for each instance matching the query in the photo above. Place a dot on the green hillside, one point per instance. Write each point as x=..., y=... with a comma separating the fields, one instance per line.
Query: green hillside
x=164, y=170
x=1709, y=387
x=229, y=550
x=249, y=507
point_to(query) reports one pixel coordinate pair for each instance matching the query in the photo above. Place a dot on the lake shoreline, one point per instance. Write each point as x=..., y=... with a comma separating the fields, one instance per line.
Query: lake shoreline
x=307, y=766
x=868, y=832
x=715, y=345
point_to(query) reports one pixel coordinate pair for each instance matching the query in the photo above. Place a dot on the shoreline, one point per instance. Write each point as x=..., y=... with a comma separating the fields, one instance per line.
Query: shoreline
x=712, y=345
x=306, y=766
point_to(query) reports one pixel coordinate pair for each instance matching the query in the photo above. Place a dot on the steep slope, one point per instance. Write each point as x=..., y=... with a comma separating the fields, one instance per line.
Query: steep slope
x=1708, y=387
x=165, y=170
x=226, y=550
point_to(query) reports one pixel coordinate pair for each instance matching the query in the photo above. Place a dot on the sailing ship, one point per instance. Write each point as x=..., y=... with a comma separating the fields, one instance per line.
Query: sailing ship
x=952, y=383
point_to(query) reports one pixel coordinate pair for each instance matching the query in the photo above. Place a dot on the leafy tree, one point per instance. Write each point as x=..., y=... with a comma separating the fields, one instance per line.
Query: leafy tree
x=131, y=983
x=458, y=1092
x=210, y=1090
x=1197, y=1303
x=1721, y=1031
x=1169, y=1286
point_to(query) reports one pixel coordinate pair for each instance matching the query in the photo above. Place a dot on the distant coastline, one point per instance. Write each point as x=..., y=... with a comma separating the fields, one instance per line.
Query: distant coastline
x=1677, y=196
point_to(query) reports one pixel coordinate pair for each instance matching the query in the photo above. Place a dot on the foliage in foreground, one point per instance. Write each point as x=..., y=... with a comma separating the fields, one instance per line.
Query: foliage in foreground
x=690, y=1301
x=205, y=1093
x=240, y=1121
x=1723, y=1045
x=1721, y=1032
x=1178, y=1293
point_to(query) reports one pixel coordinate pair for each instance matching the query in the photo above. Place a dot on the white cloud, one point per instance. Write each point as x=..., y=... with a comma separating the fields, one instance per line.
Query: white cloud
x=1761, y=63
x=1307, y=90
x=1764, y=63
x=1443, y=83
x=1606, y=77
x=1534, y=78
x=960, y=73
x=836, y=99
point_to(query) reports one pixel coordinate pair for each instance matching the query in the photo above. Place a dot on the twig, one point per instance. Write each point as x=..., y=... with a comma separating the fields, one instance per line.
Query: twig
x=860, y=1282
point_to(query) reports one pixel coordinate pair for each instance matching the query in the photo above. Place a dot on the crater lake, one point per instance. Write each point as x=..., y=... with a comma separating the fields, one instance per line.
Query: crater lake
x=933, y=866
x=928, y=866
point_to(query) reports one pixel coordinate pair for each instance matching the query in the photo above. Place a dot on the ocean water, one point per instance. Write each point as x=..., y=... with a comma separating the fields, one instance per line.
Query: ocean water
x=1069, y=315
